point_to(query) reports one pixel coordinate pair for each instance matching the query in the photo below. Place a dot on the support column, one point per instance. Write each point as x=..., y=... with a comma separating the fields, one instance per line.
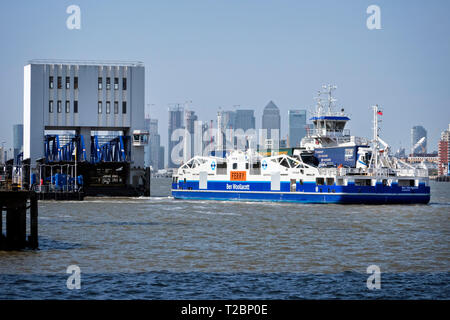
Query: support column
x=16, y=227
x=1, y=225
x=33, y=238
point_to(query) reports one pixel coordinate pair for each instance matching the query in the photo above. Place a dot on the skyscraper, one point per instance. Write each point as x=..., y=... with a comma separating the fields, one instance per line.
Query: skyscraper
x=17, y=139
x=418, y=140
x=175, y=122
x=228, y=120
x=271, y=120
x=161, y=158
x=190, y=119
x=152, y=150
x=245, y=119
x=297, y=127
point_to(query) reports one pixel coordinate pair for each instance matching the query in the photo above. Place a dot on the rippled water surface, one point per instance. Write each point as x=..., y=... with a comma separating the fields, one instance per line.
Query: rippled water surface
x=161, y=248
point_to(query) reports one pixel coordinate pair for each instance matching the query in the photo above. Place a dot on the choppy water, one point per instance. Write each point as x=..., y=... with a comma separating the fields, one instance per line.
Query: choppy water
x=160, y=248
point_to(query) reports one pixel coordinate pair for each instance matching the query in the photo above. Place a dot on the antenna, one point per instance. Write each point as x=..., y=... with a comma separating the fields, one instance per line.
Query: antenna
x=329, y=91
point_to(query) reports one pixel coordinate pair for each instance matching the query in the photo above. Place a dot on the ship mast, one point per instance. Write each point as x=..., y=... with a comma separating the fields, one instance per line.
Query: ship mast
x=329, y=91
x=219, y=130
x=375, y=136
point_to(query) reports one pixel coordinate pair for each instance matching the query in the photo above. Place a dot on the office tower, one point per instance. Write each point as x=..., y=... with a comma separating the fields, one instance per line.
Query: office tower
x=2, y=155
x=153, y=148
x=228, y=119
x=175, y=122
x=190, y=119
x=245, y=119
x=297, y=127
x=418, y=140
x=161, y=164
x=17, y=139
x=271, y=120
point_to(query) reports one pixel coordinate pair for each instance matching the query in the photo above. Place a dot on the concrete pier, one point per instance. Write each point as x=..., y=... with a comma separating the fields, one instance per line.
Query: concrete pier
x=15, y=205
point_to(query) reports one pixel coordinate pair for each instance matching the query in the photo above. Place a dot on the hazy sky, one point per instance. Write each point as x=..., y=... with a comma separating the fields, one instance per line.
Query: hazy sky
x=247, y=52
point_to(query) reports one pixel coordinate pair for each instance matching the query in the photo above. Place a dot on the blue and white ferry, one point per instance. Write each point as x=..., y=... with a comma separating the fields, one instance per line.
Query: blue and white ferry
x=353, y=171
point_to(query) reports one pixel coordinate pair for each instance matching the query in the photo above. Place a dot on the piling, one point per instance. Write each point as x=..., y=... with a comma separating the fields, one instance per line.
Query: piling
x=14, y=204
x=147, y=178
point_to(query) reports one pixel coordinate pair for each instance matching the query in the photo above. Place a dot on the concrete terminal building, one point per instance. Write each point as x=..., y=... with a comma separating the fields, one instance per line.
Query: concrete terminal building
x=86, y=98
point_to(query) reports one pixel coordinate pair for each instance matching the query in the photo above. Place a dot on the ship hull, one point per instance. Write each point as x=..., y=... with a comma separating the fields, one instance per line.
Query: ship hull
x=324, y=194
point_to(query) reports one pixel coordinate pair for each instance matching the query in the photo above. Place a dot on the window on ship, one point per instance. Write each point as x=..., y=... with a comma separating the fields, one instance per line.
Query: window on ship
x=221, y=168
x=255, y=169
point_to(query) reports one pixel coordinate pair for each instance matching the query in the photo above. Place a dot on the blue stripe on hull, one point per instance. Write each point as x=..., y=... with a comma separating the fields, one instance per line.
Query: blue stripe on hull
x=304, y=198
x=265, y=186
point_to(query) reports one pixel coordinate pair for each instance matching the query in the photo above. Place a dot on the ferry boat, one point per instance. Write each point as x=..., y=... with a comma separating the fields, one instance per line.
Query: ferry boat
x=330, y=166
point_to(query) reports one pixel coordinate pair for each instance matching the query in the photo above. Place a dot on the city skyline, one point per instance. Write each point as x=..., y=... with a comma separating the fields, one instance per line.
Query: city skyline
x=401, y=67
x=298, y=123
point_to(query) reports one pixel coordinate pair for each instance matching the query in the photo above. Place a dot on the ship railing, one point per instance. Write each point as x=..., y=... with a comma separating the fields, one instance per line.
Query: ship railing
x=385, y=172
x=311, y=139
x=330, y=132
x=336, y=137
x=416, y=172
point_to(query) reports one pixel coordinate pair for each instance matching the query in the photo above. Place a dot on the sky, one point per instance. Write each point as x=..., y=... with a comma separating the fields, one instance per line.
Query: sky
x=223, y=53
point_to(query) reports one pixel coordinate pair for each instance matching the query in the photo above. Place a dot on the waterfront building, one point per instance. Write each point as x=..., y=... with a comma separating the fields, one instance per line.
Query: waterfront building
x=444, y=152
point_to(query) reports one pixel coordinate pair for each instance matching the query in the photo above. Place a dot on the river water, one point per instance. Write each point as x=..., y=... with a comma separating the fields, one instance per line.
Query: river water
x=161, y=248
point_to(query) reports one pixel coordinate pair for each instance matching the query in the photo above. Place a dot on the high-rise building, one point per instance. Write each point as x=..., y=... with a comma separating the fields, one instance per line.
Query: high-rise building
x=175, y=122
x=161, y=163
x=297, y=127
x=228, y=120
x=190, y=119
x=245, y=119
x=418, y=140
x=17, y=139
x=2, y=155
x=271, y=120
x=152, y=150
x=227, y=125
x=444, y=152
